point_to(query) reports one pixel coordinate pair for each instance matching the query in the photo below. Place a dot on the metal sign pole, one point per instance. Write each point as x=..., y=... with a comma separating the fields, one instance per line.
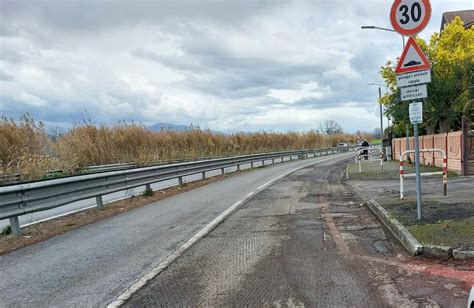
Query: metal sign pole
x=412, y=71
x=417, y=170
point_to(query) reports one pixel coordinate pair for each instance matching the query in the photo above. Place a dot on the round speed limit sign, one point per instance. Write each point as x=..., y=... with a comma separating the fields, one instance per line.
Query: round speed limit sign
x=409, y=17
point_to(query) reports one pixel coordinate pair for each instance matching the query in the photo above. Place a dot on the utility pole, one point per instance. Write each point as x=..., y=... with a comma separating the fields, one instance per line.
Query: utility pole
x=381, y=114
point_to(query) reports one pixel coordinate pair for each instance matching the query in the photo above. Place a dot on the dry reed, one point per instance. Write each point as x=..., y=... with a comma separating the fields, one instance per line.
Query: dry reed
x=26, y=148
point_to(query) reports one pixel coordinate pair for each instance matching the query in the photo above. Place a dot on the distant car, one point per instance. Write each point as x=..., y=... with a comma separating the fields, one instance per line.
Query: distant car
x=341, y=145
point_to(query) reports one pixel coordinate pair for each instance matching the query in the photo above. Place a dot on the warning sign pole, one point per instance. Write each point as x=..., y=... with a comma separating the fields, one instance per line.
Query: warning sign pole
x=416, y=117
x=409, y=17
x=417, y=171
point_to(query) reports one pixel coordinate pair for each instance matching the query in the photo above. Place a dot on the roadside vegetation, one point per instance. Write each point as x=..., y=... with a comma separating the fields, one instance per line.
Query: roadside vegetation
x=29, y=149
x=451, y=92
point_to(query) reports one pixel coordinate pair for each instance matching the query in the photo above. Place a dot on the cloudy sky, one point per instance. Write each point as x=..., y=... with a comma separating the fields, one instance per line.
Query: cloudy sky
x=224, y=65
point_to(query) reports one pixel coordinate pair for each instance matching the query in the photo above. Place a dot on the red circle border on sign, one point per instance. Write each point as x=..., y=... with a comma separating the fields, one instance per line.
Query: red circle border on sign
x=393, y=17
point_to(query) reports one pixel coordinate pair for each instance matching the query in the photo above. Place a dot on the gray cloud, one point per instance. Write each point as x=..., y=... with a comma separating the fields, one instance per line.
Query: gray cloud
x=91, y=15
x=4, y=76
x=223, y=64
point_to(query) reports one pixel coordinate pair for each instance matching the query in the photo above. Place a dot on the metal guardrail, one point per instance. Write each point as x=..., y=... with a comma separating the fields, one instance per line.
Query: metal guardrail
x=21, y=199
x=7, y=179
x=106, y=168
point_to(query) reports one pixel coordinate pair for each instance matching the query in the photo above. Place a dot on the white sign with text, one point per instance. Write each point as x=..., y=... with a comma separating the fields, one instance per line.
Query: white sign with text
x=416, y=112
x=413, y=79
x=411, y=93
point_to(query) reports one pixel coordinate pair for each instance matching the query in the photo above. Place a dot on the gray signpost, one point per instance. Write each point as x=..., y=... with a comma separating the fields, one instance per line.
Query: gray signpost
x=416, y=117
x=413, y=69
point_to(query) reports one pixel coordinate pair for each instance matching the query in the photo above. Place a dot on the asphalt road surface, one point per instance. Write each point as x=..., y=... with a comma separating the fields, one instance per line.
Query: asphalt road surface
x=29, y=219
x=92, y=265
x=304, y=241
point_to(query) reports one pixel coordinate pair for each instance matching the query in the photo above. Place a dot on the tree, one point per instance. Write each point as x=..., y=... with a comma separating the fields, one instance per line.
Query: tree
x=330, y=127
x=452, y=58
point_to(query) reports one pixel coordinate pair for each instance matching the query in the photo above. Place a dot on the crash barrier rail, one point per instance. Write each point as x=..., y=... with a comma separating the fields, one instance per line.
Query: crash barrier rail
x=21, y=199
x=359, y=156
x=444, y=173
x=6, y=179
x=9, y=178
x=110, y=167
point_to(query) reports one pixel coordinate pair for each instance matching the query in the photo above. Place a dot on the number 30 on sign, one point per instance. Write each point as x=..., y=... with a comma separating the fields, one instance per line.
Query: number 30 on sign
x=410, y=17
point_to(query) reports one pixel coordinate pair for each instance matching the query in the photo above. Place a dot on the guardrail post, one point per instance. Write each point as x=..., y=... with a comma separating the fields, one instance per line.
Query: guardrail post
x=204, y=175
x=282, y=159
x=180, y=181
x=148, y=191
x=15, y=225
x=238, y=167
x=222, y=171
x=251, y=165
x=99, y=202
x=263, y=162
x=273, y=161
x=307, y=155
x=291, y=157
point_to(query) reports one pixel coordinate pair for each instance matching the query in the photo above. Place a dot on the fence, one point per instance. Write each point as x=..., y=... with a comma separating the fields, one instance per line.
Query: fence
x=451, y=143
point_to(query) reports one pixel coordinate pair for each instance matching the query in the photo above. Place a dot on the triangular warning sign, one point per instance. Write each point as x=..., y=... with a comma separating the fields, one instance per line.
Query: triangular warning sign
x=412, y=59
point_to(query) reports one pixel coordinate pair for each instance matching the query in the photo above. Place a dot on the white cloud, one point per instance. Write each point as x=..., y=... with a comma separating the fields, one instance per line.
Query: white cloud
x=226, y=65
x=309, y=90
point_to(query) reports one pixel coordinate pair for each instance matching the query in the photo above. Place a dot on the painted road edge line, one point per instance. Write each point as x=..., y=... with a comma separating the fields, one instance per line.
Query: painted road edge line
x=119, y=301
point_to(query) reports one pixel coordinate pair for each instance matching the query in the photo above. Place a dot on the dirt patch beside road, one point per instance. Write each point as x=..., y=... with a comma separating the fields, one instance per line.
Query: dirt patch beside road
x=446, y=220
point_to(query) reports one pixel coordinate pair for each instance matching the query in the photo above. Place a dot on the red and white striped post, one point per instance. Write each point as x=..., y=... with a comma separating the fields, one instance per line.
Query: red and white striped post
x=401, y=179
x=381, y=159
x=360, y=164
x=445, y=176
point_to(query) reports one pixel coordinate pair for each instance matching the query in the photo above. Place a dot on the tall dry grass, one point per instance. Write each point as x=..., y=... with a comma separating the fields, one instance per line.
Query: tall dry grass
x=26, y=148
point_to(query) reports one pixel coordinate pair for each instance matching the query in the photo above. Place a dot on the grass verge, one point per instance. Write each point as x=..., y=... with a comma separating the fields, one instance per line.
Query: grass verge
x=457, y=234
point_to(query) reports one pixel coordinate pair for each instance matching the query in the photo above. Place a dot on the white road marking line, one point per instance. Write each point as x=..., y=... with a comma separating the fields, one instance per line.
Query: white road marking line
x=176, y=254
x=57, y=216
x=119, y=301
x=250, y=194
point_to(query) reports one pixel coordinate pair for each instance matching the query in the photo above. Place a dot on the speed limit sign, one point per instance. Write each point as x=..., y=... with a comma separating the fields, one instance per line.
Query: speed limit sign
x=409, y=17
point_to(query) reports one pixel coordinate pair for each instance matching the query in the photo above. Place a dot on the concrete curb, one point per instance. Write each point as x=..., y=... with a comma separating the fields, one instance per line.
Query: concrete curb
x=437, y=252
x=411, y=243
x=463, y=254
x=396, y=228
